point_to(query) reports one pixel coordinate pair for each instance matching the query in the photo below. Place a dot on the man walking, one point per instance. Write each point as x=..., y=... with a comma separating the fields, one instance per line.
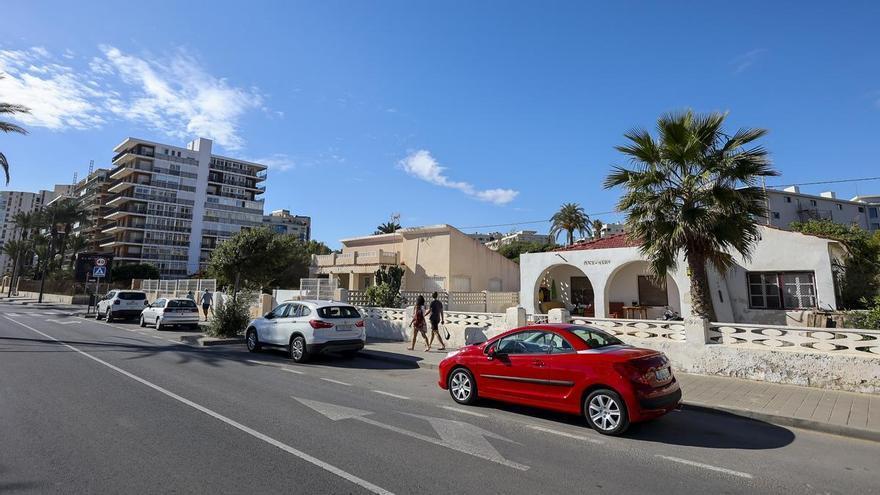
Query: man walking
x=207, y=302
x=436, y=317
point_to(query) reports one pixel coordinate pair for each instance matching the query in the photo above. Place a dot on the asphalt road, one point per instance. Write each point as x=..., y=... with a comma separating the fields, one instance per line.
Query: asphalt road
x=91, y=407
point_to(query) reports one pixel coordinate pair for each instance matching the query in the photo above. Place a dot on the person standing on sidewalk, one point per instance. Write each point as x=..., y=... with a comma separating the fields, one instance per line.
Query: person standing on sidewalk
x=207, y=302
x=435, y=315
x=418, y=323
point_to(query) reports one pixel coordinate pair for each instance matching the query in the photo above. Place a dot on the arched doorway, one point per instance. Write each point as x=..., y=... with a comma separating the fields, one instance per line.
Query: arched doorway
x=633, y=284
x=564, y=286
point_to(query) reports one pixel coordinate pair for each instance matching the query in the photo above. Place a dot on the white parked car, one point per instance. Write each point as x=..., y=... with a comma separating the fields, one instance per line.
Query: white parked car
x=306, y=328
x=168, y=312
x=121, y=304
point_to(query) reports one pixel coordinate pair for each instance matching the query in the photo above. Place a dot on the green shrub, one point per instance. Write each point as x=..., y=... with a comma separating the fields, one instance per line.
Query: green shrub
x=231, y=318
x=383, y=296
x=868, y=319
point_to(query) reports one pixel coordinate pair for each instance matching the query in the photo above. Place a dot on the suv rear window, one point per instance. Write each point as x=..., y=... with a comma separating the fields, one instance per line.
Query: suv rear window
x=338, y=312
x=181, y=304
x=131, y=296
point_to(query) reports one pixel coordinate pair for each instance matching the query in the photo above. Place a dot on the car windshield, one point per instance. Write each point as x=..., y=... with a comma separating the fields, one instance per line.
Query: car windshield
x=132, y=296
x=338, y=312
x=595, y=338
x=181, y=303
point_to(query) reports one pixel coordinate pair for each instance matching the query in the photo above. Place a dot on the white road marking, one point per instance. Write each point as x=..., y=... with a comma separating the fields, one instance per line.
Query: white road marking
x=706, y=466
x=389, y=394
x=291, y=370
x=567, y=435
x=250, y=431
x=60, y=322
x=336, y=381
x=456, y=435
x=464, y=411
x=264, y=363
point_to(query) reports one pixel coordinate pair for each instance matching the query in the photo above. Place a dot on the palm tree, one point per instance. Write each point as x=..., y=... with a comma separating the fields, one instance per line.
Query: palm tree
x=596, y=225
x=569, y=219
x=25, y=222
x=77, y=244
x=387, y=228
x=15, y=249
x=692, y=191
x=10, y=108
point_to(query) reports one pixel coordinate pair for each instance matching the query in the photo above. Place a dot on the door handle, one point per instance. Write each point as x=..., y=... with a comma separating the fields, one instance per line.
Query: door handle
x=538, y=363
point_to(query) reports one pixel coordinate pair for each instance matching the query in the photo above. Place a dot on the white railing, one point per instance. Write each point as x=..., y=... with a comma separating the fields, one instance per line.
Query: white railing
x=640, y=329
x=177, y=288
x=325, y=259
x=345, y=259
x=537, y=319
x=832, y=341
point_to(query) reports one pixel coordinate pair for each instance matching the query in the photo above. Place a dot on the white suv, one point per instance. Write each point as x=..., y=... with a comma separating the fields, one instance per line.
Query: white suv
x=121, y=304
x=306, y=328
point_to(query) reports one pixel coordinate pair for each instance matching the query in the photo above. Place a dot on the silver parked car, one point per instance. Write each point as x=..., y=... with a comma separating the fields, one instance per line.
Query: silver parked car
x=168, y=312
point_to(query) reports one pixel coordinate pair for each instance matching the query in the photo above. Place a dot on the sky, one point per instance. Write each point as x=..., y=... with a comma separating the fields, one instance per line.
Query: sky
x=461, y=112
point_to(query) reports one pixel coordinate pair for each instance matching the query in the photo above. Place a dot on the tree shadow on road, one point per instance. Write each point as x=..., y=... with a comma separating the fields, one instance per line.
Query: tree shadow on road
x=333, y=360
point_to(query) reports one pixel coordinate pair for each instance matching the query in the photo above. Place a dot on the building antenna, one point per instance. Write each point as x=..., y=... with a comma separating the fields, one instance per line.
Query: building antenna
x=91, y=166
x=766, y=199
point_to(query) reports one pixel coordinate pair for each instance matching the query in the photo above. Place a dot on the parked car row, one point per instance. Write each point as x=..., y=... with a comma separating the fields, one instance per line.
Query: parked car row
x=573, y=369
x=163, y=312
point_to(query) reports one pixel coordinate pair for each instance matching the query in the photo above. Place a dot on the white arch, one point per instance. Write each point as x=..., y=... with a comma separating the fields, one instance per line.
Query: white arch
x=626, y=291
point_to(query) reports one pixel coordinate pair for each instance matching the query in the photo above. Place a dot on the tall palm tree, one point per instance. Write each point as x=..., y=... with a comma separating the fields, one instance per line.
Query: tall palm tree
x=570, y=218
x=692, y=191
x=596, y=225
x=25, y=222
x=387, y=228
x=77, y=244
x=10, y=108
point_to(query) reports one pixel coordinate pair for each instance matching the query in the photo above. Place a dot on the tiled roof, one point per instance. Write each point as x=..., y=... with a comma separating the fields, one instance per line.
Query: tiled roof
x=610, y=242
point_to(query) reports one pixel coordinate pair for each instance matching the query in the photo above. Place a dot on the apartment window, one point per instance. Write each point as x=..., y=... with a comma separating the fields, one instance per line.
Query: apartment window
x=782, y=290
x=651, y=293
x=776, y=215
x=461, y=284
x=495, y=285
x=872, y=212
x=812, y=202
x=861, y=209
x=788, y=199
x=435, y=283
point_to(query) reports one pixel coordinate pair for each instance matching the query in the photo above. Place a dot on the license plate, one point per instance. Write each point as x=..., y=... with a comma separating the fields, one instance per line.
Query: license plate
x=662, y=375
x=344, y=328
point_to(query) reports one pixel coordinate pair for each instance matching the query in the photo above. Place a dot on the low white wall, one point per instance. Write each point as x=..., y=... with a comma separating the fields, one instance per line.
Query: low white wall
x=464, y=328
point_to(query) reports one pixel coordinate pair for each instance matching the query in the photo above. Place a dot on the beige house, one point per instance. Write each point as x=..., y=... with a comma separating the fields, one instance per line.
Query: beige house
x=438, y=257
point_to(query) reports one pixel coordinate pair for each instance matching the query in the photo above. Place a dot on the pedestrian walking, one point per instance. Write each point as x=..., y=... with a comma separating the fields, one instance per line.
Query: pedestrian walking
x=191, y=296
x=436, y=317
x=418, y=324
x=207, y=302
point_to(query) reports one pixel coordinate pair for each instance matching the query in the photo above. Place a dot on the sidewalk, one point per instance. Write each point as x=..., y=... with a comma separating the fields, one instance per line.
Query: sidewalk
x=841, y=413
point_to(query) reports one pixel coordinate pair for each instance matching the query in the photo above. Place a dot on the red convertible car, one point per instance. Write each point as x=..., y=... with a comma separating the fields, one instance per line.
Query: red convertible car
x=568, y=368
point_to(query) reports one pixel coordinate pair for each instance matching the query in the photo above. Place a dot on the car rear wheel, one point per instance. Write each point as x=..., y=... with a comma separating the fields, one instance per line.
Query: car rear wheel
x=109, y=316
x=143, y=322
x=251, y=340
x=159, y=323
x=606, y=412
x=462, y=386
x=298, y=351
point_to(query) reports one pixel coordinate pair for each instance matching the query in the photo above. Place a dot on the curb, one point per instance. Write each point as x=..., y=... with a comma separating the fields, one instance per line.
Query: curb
x=210, y=341
x=778, y=419
x=393, y=358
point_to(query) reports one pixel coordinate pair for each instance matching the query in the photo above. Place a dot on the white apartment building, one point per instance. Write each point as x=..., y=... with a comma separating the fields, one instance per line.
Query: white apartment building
x=282, y=222
x=790, y=205
x=171, y=206
x=14, y=202
x=609, y=229
x=518, y=236
x=483, y=238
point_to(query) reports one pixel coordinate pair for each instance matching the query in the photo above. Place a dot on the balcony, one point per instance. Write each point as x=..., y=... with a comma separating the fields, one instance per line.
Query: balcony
x=259, y=174
x=361, y=258
x=120, y=186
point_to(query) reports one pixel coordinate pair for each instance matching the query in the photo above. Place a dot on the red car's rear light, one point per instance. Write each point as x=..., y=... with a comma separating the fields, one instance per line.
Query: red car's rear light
x=633, y=373
x=359, y=324
x=316, y=324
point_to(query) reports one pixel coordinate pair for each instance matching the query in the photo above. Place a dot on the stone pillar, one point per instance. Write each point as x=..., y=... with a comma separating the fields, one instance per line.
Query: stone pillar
x=352, y=281
x=696, y=331
x=340, y=295
x=514, y=318
x=558, y=315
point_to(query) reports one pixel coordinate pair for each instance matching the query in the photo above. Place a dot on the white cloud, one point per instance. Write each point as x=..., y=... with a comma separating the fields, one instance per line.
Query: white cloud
x=173, y=95
x=742, y=62
x=54, y=93
x=278, y=161
x=421, y=165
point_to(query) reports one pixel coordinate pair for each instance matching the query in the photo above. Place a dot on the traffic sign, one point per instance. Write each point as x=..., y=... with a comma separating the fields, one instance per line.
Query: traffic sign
x=100, y=261
x=99, y=271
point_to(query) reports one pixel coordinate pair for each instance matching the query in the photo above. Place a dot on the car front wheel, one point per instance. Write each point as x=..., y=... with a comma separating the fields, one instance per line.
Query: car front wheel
x=251, y=340
x=143, y=323
x=462, y=386
x=298, y=351
x=158, y=323
x=606, y=412
x=109, y=316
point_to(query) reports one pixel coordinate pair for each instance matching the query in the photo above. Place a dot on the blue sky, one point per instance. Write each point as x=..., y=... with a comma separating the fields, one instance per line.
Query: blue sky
x=467, y=113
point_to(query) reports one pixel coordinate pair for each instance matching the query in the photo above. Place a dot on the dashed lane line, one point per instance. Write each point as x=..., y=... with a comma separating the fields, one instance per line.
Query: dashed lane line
x=336, y=382
x=706, y=466
x=464, y=411
x=250, y=431
x=565, y=434
x=389, y=394
x=290, y=370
